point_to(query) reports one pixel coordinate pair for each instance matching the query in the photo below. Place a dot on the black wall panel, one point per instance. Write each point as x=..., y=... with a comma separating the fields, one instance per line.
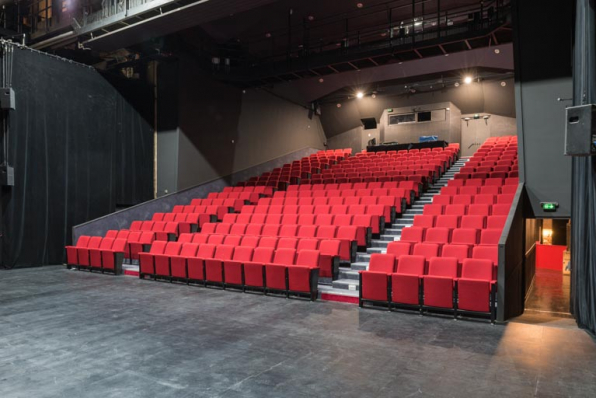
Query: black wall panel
x=79, y=148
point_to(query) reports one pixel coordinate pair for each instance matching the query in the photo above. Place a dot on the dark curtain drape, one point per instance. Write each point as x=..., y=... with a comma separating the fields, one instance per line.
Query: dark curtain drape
x=583, y=220
x=78, y=148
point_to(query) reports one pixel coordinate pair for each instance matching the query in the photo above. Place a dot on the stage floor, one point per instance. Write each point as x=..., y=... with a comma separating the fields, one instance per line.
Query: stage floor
x=76, y=334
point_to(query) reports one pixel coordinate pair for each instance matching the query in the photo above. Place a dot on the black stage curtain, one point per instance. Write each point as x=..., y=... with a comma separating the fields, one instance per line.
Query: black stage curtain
x=78, y=148
x=583, y=213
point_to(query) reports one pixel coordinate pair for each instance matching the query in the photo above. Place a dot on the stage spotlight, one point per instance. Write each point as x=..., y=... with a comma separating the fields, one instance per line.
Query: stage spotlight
x=359, y=95
x=468, y=79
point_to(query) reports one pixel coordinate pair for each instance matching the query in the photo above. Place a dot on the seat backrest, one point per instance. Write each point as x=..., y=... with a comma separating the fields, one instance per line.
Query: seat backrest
x=254, y=229
x=284, y=256
x=437, y=235
x=490, y=236
x=289, y=219
x=427, y=250
x=423, y=221
x=455, y=210
x=173, y=248
x=158, y=247
x=238, y=229
x=222, y=228
x=119, y=245
x=307, y=244
x=411, y=265
x=200, y=238
x=442, y=199
x=447, y=221
x=487, y=253
x=347, y=232
x=83, y=241
x=288, y=230
x=233, y=240
x=464, y=236
x=412, y=234
x=106, y=243
x=308, y=258
x=287, y=243
x=382, y=263
x=443, y=266
x=215, y=239
x=327, y=231
x=250, y=241
x=398, y=248
x=477, y=269
x=224, y=252
x=189, y=249
x=123, y=234
x=485, y=199
x=496, y=222
x=269, y=241
x=433, y=210
x=462, y=200
x=479, y=210
x=460, y=252
x=112, y=233
x=476, y=222
x=208, y=228
x=270, y=230
x=94, y=242
x=242, y=253
x=206, y=251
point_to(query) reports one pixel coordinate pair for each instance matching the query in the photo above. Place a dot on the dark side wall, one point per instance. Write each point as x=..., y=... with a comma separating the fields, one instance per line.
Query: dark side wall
x=79, y=149
x=543, y=37
x=222, y=129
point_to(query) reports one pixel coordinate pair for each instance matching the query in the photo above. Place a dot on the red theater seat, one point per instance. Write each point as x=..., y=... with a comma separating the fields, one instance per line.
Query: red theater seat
x=440, y=282
x=214, y=267
x=476, y=287
x=303, y=276
x=374, y=283
x=178, y=264
x=405, y=283
x=254, y=271
x=196, y=265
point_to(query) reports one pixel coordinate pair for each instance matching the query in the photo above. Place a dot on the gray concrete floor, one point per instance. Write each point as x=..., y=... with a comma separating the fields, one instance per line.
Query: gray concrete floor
x=74, y=334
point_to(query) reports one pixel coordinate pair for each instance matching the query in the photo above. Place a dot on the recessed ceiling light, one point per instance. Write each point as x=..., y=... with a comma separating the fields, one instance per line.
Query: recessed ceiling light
x=497, y=51
x=311, y=17
x=503, y=84
x=456, y=84
x=446, y=54
x=374, y=96
x=339, y=105
x=400, y=62
x=321, y=80
x=267, y=35
x=359, y=5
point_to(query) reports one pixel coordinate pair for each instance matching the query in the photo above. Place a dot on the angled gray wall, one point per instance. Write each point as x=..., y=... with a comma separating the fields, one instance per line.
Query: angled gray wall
x=543, y=56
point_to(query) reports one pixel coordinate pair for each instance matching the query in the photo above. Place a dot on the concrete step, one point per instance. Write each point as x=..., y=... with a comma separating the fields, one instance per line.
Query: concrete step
x=362, y=258
x=348, y=274
x=373, y=250
x=328, y=289
x=345, y=284
x=387, y=238
x=360, y=266
x=379, y=243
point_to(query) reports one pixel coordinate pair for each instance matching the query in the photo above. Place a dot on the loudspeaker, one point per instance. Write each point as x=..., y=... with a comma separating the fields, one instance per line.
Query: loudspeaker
x=369, y=123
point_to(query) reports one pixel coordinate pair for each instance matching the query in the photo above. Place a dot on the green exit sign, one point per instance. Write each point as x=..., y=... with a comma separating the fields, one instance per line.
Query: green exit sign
x=389, y=110
x=549, y=206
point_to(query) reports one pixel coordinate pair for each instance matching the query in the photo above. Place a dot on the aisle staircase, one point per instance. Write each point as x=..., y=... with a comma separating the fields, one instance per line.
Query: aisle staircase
x=346, y=287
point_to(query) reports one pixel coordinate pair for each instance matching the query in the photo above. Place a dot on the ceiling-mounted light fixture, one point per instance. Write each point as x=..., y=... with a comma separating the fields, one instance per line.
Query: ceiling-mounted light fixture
x=321, y=80
x=456, y=84
x=359, y=5
x=503, y=84
x=497, y=51
x=339, y=105
x=359, y=95
x=468, y=79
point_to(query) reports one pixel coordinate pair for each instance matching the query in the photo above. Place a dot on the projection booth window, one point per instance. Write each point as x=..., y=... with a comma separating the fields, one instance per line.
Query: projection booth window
x=404, y=118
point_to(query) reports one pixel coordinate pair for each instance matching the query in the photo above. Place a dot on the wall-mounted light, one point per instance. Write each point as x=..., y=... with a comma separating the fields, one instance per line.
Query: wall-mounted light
x=359, y=95
x=468, y=79
x=339, y=105
x=456, y=84
x=503, y=84
x=497, y=51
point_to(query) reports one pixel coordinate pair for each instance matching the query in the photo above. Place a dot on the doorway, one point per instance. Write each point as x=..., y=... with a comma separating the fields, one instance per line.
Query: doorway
x=548, y=296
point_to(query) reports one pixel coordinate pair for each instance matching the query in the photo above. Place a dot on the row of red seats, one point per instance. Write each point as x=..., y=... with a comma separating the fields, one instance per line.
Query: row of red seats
x=443, y=236
x=375, y=213
x=225, y=205
x=97, y=253
x=330, y=249
x=401, y=196
x=283, y=271
x=348, y=235
x=391, y=204
x=465, y=210
x=161, y=230
x=407, y=185
x=456, y=251
x=468, y=221
x=402, y=282
x=463, y=199
x=482, y=190
x=480, y=182
x=492, y=174
x=265, y=191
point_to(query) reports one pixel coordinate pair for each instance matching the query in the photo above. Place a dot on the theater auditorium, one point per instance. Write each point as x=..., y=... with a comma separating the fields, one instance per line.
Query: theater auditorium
x=298, y=198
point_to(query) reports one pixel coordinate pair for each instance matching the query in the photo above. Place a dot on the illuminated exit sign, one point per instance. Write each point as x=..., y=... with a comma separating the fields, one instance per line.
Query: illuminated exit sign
x=549, y=206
